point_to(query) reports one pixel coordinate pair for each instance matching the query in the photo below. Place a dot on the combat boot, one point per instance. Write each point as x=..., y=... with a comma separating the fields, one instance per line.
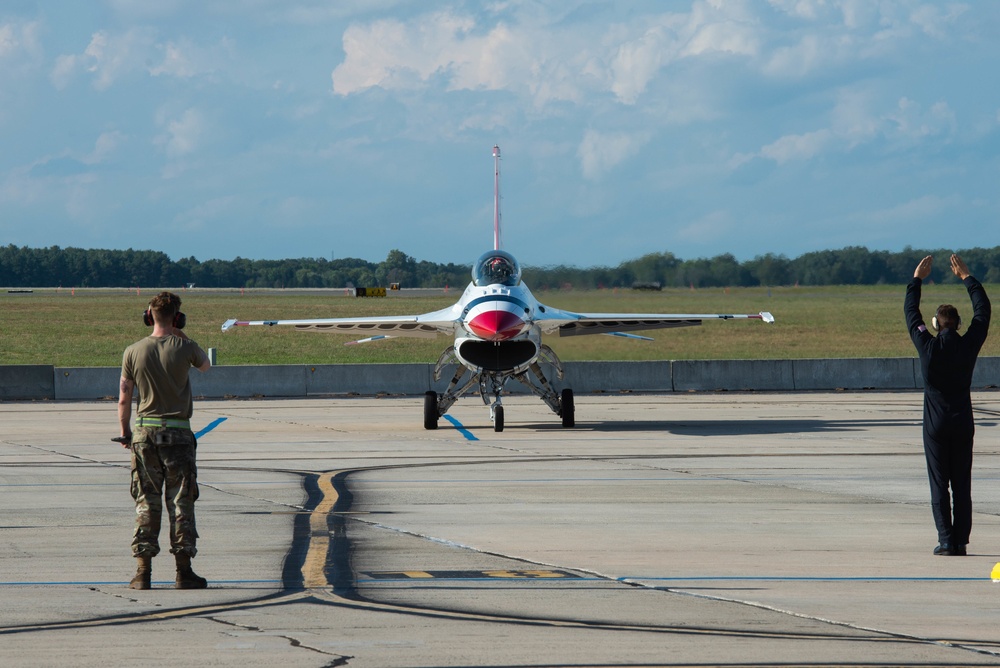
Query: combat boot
x=186, y=577
x=143, y=574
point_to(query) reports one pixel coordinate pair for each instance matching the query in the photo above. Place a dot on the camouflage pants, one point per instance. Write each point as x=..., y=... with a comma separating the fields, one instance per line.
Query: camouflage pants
x=163, y=467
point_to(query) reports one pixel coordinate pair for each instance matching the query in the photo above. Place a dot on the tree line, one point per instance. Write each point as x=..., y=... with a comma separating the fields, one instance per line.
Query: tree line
x=855, y=265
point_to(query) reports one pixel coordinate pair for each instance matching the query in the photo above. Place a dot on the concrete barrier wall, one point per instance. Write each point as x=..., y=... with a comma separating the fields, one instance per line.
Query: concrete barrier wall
x=26, y=381
x=857, y=374
x=707, y=375
x=78, y=383
x=32, y=382
x=370, y=378
x=987, y=373
x=273, y=380
x=586, y=377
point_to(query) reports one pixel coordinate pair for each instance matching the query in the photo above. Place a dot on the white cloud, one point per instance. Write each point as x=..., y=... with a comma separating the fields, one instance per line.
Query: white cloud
x=63, y=71
x=390, y=54
x=546, y=60
x=19, y=39
x=533, y=54
x=109, y=57
x=599, y=153
x=184, y=133
x=811, y=53
x=723, y=37
x=933, y=19
x=910, y=122
x=540, y=57
x=857, y=13
x=21, y=56
x=183, y=58
x=819, y=97
x=637, y=62
x=797, y=147
x=177, y=61
x=803, y=9
x=853, y=123
x=443, y=46
x=8, y=43
x=106, y=144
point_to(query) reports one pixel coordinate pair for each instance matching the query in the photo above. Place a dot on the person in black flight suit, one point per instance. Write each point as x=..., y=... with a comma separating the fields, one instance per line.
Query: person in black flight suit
x=947, y=362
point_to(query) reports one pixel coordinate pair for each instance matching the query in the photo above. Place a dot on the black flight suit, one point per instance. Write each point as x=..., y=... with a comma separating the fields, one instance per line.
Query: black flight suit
x=947, y=362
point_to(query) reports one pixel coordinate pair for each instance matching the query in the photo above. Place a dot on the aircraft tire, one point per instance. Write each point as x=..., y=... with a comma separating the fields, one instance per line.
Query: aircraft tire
x=568, y=412
x=498, y=419
x=430, y=410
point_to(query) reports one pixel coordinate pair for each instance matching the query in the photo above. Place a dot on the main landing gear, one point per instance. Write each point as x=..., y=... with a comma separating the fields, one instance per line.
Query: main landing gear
x=491, y=383
x=432, y=401
x=431, y=410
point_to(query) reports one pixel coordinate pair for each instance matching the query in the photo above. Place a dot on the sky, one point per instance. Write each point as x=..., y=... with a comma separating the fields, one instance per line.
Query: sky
x=272, y=129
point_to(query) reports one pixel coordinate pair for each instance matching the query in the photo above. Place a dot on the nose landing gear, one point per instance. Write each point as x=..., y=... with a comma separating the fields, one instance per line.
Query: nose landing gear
x=493, y=383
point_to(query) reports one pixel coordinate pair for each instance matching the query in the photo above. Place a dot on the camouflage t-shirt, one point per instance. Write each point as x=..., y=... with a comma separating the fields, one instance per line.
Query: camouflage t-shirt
x=159, y=365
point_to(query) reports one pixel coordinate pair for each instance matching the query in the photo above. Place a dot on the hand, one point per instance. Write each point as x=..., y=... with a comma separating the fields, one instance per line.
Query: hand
x=958, y=267
x=923, y=269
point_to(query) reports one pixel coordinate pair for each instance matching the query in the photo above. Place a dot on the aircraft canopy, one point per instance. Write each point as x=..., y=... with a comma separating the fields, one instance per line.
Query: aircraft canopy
x=496, y=267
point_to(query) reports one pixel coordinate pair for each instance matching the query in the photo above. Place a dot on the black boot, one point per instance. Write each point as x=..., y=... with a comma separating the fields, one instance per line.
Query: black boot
x=186, y=577
x=143, y=574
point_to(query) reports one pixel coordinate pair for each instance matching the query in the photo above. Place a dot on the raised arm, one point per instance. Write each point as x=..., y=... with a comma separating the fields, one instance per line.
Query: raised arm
x=911, y=306
x=982, y=310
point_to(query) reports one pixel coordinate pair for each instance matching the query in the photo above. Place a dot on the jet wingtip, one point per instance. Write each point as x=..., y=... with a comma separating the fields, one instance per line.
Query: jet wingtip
x=767, y=317
x=229, y=324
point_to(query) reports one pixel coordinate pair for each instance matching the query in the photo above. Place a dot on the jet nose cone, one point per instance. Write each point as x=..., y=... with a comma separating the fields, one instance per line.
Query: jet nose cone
x=496, y=325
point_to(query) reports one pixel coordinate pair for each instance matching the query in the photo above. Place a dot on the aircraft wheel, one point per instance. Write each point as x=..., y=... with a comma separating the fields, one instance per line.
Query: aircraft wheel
x=568, y=409
x=430, y=410
x=498, y=419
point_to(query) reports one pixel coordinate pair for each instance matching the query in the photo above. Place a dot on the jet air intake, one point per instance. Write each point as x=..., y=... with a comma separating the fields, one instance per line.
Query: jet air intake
x=497, y=356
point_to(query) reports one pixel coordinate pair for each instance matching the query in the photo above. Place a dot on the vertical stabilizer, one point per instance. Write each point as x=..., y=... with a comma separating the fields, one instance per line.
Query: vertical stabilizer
x=496, y=197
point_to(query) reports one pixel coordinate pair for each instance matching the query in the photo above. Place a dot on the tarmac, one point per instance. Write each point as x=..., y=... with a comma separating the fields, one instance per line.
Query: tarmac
x=683, y=529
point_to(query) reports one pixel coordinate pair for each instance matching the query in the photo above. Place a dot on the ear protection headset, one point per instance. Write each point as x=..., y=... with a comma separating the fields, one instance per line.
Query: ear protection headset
x=179, y=319
x=937, y=328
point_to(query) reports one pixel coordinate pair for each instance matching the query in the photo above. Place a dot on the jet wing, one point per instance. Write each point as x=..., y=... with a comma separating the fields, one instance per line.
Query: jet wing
x=567, y=323
x=427, y=325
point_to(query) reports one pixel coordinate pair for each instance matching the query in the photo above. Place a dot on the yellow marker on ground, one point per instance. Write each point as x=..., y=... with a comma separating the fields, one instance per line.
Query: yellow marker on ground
x=996, y=573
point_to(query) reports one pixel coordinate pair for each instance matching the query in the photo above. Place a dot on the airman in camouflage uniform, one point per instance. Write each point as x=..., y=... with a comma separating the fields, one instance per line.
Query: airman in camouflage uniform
x=163, y=445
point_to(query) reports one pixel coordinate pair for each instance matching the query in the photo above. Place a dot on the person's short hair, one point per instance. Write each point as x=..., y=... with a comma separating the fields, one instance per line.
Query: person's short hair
x=165, y=306
x=947, y=317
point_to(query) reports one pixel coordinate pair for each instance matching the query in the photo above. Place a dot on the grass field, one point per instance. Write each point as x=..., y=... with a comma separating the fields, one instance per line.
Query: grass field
x=91, y=327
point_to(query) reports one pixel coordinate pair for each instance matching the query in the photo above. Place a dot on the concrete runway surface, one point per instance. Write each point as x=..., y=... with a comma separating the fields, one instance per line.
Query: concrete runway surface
x=664, y=530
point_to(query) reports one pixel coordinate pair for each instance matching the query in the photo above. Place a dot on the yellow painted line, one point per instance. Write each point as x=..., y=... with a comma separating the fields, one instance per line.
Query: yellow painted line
x=523, y=574
x=472, y=575
x=314, y=567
